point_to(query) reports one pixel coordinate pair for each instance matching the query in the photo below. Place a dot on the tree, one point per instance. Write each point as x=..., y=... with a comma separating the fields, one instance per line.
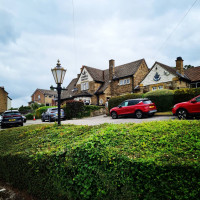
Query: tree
x=188, y=66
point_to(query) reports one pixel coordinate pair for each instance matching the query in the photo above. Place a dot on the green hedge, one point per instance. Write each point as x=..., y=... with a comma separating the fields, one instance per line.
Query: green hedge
x=186, y=94
x=157, y=160
x=40, y=110
x=163, y=99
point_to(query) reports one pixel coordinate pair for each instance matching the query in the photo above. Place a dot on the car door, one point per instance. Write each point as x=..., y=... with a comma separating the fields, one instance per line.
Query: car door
x=132, y=106
x=122, y=108
x=195, y=105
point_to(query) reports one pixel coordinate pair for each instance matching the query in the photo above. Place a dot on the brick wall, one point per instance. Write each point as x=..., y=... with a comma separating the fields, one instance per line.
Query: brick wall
x=3, y=100
x=36, y=99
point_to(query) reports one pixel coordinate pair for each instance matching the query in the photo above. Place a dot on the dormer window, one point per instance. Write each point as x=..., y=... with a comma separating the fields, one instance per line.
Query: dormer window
x=124, y=81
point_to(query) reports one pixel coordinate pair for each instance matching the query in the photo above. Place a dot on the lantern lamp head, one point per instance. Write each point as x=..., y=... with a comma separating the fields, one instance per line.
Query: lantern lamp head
x=58, y=73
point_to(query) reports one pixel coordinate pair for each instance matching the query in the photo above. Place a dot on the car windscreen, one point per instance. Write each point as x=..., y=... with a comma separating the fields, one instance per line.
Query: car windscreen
x=147, y=101
x=11, y=113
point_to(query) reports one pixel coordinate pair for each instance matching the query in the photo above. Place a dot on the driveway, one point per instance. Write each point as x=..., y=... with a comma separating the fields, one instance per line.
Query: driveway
x=101, y=120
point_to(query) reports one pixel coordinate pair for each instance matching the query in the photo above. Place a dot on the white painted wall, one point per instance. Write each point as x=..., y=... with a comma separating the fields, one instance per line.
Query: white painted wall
x=162, y=72
x=86, y=80
x=8, y=103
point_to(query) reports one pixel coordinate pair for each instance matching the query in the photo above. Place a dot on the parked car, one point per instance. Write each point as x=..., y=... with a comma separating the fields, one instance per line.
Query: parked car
x=24, y=118
x=0, y=119
x=185, y=109
x=11, y=118
x=137, y=107
x=52, y=114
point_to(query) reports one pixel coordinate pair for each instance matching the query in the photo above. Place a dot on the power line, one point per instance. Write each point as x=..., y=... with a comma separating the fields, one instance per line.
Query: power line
x=176, y=27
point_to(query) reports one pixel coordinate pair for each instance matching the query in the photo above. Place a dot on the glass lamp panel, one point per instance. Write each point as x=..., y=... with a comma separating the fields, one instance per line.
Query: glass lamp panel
x=55, y=75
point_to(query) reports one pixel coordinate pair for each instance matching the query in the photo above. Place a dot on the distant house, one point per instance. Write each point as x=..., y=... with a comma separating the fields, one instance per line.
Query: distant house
x=46, y=97
x=5, y=100
x=162, y=76
x=95, y=86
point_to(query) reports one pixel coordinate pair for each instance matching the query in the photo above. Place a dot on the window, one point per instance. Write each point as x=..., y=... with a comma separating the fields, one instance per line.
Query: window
x=125, y=103
x=154, y=88
x=101, y=101
x=160, y=87
x=38, y=97
x=124, y=81
x=133, y=102
x=198, y=99
x=85, y=86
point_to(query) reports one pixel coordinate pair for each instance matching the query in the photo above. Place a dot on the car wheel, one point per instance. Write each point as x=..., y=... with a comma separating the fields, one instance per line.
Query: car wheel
x=22, y=124
x=50, y=120
x=139, y=114
x=182, y=114
x=43, y=119
x=114, y=115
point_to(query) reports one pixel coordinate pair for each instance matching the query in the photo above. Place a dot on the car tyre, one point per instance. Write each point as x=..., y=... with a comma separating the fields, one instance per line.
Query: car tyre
x=182, y=114
x=50, y=119
x=139, y=114
x=43, y=119
x=114, y=115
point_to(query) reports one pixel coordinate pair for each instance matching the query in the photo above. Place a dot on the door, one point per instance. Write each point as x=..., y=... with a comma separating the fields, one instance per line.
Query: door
x=123, y=108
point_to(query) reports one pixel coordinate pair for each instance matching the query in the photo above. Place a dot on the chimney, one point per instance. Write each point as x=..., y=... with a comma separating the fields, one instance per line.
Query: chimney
x=179, y=65
x=111, y=69
x=78, y=75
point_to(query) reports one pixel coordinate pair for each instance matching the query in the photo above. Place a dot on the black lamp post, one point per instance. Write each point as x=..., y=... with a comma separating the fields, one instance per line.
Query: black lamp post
x=58, y=74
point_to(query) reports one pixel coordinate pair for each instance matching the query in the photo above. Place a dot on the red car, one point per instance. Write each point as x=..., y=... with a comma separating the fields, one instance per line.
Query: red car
x=137, y=107
x=189, y=108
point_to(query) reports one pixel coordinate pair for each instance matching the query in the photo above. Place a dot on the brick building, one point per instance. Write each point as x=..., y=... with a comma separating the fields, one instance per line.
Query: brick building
x=46, y=97
x=95, y=86
x=165, y=77
x=5, y=100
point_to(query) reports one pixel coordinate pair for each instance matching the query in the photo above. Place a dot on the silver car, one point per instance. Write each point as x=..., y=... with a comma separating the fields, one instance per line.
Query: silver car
x=52, y=114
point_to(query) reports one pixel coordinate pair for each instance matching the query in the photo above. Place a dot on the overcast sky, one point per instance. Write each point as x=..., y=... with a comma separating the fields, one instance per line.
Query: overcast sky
x=35, y=33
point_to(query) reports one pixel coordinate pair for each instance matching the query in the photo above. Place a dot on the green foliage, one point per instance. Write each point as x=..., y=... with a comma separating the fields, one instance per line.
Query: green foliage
x=40, y=110
x=157, y=160
x=24, y=108
x=88, y=109
x=29, y=116
x=186, y=94
x=163, y=99
x=115, y=101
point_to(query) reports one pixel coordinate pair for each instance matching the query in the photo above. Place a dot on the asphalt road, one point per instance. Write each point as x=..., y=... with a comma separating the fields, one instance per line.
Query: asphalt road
x=101, y=120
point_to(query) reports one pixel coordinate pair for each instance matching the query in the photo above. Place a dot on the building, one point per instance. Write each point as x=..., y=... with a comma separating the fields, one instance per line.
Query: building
x=165, y=77
x=5, y=100
x=46, y=97
x=95, y=86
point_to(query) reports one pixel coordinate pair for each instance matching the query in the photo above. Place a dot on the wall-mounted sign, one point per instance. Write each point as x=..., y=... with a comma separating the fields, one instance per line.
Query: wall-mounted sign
x=84, y=76
x=157, y=77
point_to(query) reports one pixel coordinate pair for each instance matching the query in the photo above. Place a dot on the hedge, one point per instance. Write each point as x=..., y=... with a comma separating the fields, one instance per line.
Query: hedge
x=163, y=99
x=157, y=160
x=40, y=110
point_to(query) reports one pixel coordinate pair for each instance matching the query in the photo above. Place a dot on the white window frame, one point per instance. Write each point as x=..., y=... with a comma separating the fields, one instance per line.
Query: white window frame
x=124, y=81
x=84, y=86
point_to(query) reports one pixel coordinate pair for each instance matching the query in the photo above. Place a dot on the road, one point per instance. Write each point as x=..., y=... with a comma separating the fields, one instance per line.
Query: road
x=90, y=121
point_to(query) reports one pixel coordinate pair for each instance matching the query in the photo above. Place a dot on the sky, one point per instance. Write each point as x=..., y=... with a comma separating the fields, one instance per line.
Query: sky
x=34, y=34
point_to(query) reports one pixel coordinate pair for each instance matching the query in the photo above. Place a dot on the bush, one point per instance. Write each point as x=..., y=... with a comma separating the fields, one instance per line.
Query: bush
x=157, y=160
x=29, y=116
x=186, y=94
x=115, y=101
x=73, y=109
x=163, y=99
x=88, y=109
x=39, y=111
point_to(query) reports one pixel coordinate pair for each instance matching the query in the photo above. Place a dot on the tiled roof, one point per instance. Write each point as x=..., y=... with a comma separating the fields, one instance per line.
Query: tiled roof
x=128, y=69
x=193, y=73
x=96, y=74
x=83, y=94
x=48, y=92
x=67, y=94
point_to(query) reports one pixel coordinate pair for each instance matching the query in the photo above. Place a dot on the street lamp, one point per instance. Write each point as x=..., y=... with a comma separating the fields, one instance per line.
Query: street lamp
x=58, y=74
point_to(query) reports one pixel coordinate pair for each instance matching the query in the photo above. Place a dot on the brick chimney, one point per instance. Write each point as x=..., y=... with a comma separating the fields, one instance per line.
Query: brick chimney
x=111, y=69
x=179, y=65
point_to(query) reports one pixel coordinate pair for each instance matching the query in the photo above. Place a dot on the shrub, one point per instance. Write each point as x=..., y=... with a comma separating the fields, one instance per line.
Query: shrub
x=73, y=109
x=163, y=99
x=157, y=160
x=29, y=116
x=39, y=111
x=186, y=94
x=88, y=109
x=115, y=101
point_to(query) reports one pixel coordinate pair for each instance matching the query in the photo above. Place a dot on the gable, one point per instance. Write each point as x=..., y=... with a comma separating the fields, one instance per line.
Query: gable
x=157, y=75
x=84, y=76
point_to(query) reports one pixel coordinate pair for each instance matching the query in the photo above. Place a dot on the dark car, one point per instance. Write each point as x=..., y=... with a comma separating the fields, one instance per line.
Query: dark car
x=185, y=109
x=136, y=107
x=52, y=114
x=11, y=118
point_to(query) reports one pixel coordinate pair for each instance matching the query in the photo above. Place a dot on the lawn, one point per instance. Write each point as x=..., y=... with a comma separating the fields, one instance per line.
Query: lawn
x=156, y=160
